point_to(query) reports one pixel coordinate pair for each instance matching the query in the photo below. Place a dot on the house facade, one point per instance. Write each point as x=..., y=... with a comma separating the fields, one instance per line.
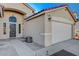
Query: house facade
x=46, y=27
x=50, y=26
x=12, y=19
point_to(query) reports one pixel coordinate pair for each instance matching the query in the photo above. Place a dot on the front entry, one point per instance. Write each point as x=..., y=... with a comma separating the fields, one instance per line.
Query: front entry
x=12, y=30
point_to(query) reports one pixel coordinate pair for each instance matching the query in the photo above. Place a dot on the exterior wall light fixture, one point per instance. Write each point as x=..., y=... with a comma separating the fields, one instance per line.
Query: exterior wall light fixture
x=49, y=18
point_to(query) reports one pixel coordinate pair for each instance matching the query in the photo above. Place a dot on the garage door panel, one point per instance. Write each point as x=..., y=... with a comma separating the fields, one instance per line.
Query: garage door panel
x=60, y=32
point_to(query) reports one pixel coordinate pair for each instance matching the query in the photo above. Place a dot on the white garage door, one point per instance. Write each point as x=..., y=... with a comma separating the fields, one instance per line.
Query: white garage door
x=61, y=32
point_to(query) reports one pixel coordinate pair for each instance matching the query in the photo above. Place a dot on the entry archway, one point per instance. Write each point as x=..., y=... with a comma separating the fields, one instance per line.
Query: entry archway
x=12, y=20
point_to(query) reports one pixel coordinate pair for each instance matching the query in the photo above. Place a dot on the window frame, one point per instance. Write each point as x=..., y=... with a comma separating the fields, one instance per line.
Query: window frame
x=4, y=28
x=19, y=27
x=12, y=19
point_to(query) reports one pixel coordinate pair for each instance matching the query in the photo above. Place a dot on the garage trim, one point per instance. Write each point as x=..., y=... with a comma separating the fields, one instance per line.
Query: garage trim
x=61, y=22
x=72, y=31
x=66, y=23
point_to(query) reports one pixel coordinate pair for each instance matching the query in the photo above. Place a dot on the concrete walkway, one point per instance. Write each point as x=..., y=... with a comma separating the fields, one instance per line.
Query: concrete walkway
x=16, y=47
x=6, y=49
x=21, y=48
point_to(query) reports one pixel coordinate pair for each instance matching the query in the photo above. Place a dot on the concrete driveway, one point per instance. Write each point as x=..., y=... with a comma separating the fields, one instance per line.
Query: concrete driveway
x=70, y=45
x=16, y=47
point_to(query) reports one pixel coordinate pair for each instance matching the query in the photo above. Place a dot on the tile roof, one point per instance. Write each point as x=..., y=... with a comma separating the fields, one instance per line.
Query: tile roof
x=35, y=14
x=46, y=10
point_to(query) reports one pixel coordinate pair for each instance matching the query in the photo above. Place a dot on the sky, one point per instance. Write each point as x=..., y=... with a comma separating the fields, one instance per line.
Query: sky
x=74, y=7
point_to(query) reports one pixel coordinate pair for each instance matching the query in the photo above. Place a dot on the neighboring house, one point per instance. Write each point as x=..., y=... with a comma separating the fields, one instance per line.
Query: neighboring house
x=50, y=26
x=76, y=27
x=76, y=33
x=12, y=19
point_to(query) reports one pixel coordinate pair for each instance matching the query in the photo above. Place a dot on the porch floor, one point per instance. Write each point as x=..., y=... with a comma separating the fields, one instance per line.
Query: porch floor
x=34, y=46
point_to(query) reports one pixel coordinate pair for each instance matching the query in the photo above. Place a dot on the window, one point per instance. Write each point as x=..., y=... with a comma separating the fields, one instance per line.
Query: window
x=0, y=14
x=19, y=28
x=4, y=28
x=1, y=11
x=12, y=19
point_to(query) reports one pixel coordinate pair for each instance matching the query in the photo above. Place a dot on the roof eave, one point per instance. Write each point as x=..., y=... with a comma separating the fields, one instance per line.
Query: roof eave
x=71, y=14
x=26, y=4
x=53, y=9
x=34, y=16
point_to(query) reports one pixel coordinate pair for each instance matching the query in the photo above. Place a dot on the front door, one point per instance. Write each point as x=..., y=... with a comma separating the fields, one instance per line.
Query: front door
x=12, y=30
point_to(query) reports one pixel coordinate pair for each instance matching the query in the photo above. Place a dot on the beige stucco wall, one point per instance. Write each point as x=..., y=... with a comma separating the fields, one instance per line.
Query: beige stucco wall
x=61, y=15
x=48, y=30
x=18, y=6
x=5, y=19
x=41, y=24
x=35, y=28
x=10, y=10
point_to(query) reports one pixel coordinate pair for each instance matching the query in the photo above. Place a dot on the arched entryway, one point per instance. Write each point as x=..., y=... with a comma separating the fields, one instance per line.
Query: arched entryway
x=12, y=20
